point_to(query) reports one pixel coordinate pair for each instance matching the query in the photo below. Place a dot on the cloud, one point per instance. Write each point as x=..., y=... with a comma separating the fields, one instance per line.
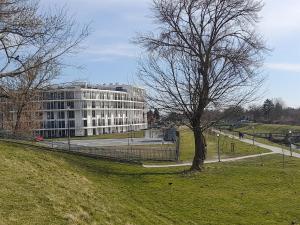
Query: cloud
x=110, y=52
x=288, y=67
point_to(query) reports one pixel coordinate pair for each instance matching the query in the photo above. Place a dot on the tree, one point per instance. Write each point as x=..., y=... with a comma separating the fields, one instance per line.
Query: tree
x=23, y=94
x=32, y=48
x=150, y=117
x=268, y=108
x=156, y=114
x=30, y=39
x=206, y=55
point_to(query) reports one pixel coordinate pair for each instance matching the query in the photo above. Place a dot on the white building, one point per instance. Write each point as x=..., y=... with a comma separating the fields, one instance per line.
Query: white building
x=86, y=110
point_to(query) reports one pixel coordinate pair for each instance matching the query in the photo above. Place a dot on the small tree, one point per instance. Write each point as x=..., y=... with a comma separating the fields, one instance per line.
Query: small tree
x=156, y=115
x=150, y=118
x=268, y=108
x=206, y=55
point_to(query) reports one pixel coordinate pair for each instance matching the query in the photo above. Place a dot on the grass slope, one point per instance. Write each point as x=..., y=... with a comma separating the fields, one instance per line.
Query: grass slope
x=39, y=187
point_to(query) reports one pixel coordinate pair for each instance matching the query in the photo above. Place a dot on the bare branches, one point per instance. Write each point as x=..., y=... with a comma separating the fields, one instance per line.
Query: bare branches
x=29, y=38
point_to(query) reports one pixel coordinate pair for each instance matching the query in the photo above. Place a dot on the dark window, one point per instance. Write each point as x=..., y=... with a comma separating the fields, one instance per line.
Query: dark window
x=93, y=104
x=84, y=114
x=94, y=123
x=85, y=123
x=70, y=95
x=61, y=124
x=71, y=114
x=72, y=123
x=70, y=105
x=50, y=115
x=93, y=113
x=61, y=115
x=85, y=132
x=94, y=131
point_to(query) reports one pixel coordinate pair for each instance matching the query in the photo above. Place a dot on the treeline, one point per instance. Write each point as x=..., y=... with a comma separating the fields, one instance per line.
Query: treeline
x=271, y=111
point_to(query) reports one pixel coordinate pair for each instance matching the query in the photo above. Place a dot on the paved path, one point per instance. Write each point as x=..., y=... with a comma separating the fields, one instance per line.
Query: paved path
x=209, y=161
x=273, y=149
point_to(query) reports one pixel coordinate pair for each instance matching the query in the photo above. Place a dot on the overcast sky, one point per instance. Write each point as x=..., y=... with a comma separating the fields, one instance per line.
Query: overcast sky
x=109, y=56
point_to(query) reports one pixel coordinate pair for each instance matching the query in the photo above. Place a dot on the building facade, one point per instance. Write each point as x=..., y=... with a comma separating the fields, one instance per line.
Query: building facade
x=83, y=110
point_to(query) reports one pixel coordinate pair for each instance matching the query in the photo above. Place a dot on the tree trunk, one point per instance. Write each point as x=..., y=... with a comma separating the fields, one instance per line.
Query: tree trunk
x=200, y=150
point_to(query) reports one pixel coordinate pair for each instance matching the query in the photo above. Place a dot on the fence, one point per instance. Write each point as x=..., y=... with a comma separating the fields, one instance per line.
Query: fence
x=124, y=153
x=157, y=152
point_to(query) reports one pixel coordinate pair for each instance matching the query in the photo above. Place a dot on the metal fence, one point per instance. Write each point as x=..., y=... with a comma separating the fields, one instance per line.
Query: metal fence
x=157, y=152
x=124, y=153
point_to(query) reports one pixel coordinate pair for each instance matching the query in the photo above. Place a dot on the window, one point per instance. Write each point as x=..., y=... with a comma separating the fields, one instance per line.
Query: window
x=94, y=131
x=71, y=114
x=50, y=115
x=85, y=123
x=93, y=113
x=70, y=95
x=72, y=123
x=70, y=105
x=84, y=104
x=61, y=124
x=94, y=123
x=61, y=115
x=93, y=104
x=85, y=132
x=61, y=105
x=84, y=114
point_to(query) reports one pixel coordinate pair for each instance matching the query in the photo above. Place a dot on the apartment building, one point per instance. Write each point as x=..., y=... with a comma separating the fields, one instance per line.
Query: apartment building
x=83, y=110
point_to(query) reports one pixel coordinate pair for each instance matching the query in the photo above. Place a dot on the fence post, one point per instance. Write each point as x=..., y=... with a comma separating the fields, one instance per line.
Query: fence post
x=177, y=150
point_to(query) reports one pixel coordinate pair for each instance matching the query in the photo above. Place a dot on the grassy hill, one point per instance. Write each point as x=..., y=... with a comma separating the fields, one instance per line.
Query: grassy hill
x=40, y=187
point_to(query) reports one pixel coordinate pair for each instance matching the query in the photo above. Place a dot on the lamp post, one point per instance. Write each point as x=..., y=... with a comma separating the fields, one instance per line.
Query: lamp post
x=290, y=140
x=68, y=121
x=219, y=157
x=253, y=135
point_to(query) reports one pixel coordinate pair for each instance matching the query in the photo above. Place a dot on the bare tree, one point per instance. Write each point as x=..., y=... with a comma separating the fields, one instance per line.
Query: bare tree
x=22, y=96
x=29, y=38
x=205, y=55
x=32, y=48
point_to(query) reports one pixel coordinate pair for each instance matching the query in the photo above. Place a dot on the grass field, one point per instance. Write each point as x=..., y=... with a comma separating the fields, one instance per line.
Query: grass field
x=269, y=128
x=39, y=187
x=240, y=149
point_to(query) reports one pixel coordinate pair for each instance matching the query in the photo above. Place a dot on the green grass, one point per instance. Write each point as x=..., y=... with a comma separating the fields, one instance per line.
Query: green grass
x=240, y=148
x=269, y=128
x=39, y=187
x=134, y=134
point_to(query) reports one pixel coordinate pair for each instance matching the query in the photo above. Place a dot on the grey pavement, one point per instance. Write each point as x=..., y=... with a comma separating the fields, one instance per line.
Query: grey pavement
x=209, y=161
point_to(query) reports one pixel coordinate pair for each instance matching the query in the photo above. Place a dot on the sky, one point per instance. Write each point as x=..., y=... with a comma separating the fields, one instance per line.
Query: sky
x=108, y=55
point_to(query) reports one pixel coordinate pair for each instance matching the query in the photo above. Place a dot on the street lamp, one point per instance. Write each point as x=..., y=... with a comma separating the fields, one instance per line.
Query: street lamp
x=253, y=134
x=290, y=140
x=219, y=157
x=68, y=121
